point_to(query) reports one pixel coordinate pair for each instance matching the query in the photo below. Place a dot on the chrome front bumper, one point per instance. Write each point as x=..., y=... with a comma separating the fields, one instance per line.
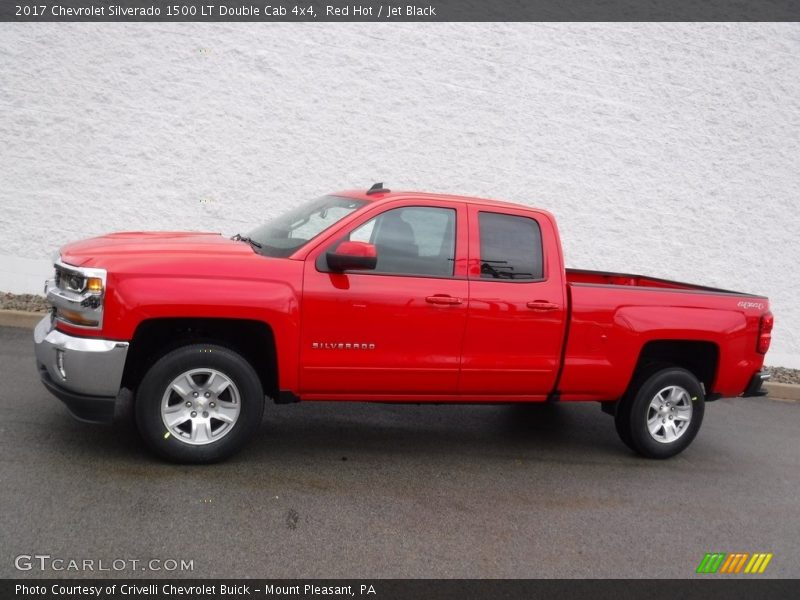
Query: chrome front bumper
x=85, y=373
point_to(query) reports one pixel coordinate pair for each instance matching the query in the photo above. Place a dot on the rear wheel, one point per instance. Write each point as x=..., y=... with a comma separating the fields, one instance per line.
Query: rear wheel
x=662, y=414
x=199, y=404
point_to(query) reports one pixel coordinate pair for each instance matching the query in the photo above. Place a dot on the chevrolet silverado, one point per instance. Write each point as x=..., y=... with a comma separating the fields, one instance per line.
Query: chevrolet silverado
x=387, y=297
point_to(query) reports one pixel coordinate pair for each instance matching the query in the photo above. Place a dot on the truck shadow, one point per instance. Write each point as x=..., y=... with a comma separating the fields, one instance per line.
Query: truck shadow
x=420, y=431
x=399, y=432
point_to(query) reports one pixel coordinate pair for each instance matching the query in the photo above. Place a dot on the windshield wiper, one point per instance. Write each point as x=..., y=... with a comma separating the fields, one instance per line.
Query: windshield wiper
x=241, y=238
x=499, y=269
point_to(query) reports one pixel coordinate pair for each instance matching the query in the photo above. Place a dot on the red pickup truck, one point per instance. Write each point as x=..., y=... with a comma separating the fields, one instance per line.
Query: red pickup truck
x=387, y=297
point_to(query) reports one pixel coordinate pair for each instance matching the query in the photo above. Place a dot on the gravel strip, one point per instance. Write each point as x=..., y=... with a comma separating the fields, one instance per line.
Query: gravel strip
x=784, y=375
x=28, y=302
x=35, y=303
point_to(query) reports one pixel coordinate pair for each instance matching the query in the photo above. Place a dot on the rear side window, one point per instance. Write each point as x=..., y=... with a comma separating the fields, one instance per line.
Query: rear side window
x=511, y=247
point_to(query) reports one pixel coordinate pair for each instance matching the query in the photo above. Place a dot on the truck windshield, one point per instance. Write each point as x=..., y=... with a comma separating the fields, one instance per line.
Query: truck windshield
x=285, y=234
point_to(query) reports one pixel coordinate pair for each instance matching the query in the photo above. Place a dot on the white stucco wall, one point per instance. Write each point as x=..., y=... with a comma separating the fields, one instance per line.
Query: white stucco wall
x=666, y=149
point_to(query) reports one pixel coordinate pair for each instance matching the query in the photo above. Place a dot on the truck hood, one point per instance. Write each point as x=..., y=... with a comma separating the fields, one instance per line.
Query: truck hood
x=152, y=243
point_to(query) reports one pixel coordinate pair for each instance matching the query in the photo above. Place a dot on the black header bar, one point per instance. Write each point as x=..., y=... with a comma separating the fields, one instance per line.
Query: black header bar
x=387, y=11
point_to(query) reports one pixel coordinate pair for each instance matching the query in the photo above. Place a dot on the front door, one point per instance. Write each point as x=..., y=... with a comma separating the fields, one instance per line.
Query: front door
x=394, y=332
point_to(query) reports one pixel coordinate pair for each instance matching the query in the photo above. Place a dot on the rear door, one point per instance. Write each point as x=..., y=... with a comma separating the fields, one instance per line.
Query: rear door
x=517, y=307
x=394, y=332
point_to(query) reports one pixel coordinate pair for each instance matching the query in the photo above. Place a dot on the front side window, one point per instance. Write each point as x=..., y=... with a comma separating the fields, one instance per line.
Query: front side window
x=413, y=240
x=511, y=247
x=292, y=230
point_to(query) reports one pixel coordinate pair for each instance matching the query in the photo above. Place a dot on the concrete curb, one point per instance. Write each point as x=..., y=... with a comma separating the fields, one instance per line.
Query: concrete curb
x=783, y=391
x=20, y=318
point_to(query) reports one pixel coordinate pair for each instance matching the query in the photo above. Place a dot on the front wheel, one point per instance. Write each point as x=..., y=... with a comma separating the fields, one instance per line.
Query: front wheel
x=661, y=417
x=199, y=404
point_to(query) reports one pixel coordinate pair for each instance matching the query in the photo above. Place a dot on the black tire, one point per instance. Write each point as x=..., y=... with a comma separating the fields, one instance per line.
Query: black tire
x=243, y=390
x=622, y=421
x=633, y=410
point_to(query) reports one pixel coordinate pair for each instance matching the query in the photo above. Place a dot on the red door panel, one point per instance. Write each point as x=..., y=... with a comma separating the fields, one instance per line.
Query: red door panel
x=384, y=334
x=515, y=326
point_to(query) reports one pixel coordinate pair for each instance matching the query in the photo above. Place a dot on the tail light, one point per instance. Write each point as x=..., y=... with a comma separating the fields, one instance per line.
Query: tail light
x=765, y=332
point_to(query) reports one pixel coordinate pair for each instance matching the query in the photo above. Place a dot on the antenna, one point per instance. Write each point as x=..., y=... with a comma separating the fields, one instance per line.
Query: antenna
x=377, y=188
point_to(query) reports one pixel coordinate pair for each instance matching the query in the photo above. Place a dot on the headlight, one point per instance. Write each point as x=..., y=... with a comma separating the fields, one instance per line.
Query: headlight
x=77, y=282
x=94, y=285
x=75, y=317
x=74, y=282
x=78, y=294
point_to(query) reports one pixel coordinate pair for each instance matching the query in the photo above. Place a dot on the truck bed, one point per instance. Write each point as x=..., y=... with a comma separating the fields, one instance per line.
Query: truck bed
x=584, y=276
x=613, y=316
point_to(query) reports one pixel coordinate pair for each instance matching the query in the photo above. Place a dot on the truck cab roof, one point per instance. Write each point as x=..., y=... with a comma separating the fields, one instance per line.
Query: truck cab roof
x=382, y=196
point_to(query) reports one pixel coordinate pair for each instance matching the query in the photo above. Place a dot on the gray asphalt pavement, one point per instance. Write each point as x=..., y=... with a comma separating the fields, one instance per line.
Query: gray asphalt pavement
x=368, y=491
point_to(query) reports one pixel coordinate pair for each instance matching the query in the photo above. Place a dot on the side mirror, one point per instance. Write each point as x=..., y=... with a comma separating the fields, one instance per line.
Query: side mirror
x=352, y=255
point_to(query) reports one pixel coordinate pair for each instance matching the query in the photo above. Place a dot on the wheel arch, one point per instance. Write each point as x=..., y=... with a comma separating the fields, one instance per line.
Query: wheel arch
x=701, y=358
x=153, y=338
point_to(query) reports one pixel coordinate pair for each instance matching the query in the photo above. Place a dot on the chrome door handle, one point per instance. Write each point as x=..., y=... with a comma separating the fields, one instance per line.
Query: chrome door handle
x=442, y=299
x=542, y=306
